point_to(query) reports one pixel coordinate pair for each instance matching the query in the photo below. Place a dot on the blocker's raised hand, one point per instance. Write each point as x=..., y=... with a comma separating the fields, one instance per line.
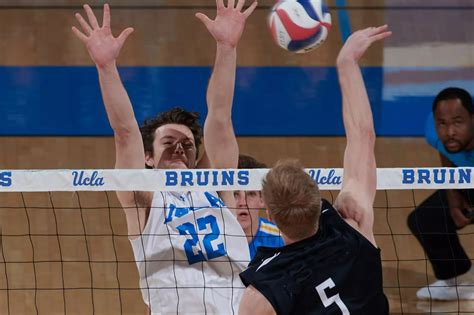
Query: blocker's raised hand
x=229, y=23
x=102, y=46
x=360, y=41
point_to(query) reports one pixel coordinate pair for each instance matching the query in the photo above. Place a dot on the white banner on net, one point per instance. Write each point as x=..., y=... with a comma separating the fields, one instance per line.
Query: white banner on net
x=218, y=180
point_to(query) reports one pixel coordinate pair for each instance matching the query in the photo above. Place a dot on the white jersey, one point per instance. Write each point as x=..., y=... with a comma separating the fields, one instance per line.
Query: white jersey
x=190, y=254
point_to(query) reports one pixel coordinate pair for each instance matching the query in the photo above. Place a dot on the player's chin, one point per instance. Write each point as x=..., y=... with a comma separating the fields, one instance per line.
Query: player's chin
x=177, y=164
x=453, y=147
x=245, y=224
x=243, y=217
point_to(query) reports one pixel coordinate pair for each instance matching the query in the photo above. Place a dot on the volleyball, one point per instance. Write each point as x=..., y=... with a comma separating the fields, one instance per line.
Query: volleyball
x=299, y=25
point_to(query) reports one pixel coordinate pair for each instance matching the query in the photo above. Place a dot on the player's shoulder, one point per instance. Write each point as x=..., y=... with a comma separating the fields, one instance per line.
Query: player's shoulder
x=326, y=205
x=328, y=213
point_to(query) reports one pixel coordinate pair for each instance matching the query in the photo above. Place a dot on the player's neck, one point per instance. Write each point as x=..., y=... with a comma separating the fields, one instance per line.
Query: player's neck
x=289, y=240
x=251, y=231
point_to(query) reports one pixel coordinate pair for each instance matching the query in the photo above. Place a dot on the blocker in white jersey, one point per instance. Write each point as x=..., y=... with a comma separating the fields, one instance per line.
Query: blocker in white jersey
x=190, y=254
x=190, y=249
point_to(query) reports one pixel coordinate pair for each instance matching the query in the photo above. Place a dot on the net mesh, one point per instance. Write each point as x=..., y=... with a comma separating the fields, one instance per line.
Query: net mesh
x=69, y=252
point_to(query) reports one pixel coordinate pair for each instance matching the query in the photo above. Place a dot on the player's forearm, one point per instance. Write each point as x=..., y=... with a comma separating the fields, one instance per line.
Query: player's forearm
x=357, y=114
x=219, y=138
x=220, y=92
x=117, y=103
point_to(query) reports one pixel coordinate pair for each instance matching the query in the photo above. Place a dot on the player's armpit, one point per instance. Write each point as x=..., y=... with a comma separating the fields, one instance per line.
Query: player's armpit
x=136, y=206
x=253, y=302
x=358, y=215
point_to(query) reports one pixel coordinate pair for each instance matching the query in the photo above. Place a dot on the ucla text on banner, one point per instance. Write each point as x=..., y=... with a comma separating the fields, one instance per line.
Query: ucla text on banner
x=218, y=180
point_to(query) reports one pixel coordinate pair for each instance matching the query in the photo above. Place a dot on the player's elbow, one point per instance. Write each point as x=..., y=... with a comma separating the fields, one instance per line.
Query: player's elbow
x=369, y=136
x=218, y=120
x=124, y=135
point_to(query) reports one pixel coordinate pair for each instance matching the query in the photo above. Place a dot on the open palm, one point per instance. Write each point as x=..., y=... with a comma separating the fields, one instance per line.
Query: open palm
x=228, y=26
x=360, y=41
x=102, y=46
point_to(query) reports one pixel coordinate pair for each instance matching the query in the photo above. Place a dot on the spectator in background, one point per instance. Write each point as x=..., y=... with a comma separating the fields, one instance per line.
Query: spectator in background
x=450, y=130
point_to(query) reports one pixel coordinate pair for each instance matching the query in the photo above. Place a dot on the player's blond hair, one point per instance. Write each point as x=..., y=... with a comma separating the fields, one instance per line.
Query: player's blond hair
x=292, y=199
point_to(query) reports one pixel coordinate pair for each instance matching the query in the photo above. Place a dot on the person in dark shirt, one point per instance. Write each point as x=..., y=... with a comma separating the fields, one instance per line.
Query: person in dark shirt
x=331, y=263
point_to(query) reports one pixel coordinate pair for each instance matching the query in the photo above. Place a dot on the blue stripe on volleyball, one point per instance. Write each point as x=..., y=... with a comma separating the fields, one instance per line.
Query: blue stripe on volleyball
x=308, y=6
x=296, y=45
x=344, y=20
x=325, y=7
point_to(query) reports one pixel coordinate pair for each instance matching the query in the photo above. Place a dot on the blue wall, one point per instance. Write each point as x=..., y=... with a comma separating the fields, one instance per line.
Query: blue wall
x=269, y=101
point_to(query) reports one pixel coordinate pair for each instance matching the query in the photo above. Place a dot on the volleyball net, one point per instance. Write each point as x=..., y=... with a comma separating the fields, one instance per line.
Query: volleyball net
x=65, y=247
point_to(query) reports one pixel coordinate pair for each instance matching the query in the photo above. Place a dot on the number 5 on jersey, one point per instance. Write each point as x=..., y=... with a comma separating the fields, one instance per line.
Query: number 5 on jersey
x=327, y=301
x=193, y=249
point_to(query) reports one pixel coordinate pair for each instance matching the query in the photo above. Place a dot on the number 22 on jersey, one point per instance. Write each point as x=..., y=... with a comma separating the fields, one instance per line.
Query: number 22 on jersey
x=212, y=245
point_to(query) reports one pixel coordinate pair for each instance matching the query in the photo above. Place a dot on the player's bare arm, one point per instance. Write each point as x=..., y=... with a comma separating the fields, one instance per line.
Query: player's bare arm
x=355, y=201
x=253, y=302
x=219, y=138
x=104, y=50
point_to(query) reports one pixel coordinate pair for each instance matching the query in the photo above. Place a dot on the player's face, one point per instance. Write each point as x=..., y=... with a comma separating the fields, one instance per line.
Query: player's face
x=248, y=204
x=174, y=148
x=454, y=125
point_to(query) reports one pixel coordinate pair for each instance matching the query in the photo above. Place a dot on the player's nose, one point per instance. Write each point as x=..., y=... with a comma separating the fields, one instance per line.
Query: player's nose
x=179, y=148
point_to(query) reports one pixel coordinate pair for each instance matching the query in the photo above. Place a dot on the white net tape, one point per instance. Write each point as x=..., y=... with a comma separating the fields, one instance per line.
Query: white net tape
x=218, y=180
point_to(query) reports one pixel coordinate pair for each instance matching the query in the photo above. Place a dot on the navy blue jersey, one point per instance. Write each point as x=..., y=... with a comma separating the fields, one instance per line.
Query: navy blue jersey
x=336, y=271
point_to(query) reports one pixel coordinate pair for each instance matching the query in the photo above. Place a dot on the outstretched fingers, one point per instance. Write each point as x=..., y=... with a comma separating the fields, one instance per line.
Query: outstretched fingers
x=124, y=35
x=250, y=9
x=379, y=33
x=92, y=19
x=79, y=34
x=204, y=19
x=84, y=25
x=106, y=18
x=220, y=4
x=230, y=4
x=371, y=31
x=380, y=36
x=240, y=5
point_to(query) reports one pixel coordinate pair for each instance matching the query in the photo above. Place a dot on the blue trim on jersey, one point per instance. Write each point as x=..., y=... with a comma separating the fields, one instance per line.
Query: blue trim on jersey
x=264, y=239
x=463, y=158
x=173, y=212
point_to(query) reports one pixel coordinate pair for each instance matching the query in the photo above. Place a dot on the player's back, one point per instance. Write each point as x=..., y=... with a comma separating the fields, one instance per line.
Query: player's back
x=190, y=254
x=337, y=271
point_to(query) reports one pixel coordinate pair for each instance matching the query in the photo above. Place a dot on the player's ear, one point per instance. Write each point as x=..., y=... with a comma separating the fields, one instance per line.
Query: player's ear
x=269, y=216
x=149, y=161
x=261, y=202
